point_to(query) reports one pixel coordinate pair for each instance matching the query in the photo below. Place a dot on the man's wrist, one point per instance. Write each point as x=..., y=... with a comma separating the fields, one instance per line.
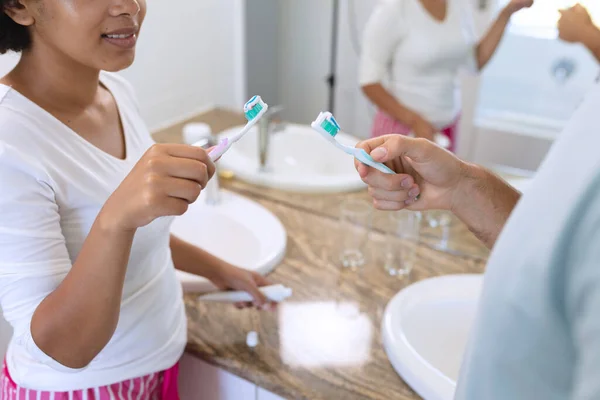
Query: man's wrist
x=472, y=179
x=590, y=37
x=483, y=201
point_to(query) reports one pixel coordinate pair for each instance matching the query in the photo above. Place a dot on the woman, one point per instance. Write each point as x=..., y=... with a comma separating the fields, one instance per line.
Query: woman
x=421, y=45
x=86, y=258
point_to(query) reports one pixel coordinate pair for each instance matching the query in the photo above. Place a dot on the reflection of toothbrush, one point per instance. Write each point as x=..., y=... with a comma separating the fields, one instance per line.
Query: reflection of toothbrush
x=328, y=127
x=274, y=293
x=254, y=109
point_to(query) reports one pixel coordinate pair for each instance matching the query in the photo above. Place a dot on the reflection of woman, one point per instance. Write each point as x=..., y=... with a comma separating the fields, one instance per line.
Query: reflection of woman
x=421, y=45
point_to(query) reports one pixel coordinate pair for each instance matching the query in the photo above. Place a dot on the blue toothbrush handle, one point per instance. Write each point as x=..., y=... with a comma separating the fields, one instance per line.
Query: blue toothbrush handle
x=365, y=158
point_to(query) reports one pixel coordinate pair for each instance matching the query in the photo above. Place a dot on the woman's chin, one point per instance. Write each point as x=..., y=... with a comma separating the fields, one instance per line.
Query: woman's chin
x=118, y=64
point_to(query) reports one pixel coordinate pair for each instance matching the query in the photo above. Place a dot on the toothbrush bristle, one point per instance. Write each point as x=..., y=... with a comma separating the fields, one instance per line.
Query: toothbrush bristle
x=249, y=102
x=331, y=126
x=254, y=111
x=254, y=107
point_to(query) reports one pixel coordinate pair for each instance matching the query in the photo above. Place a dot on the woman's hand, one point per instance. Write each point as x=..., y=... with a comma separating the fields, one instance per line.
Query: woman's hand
x=164, y=182
x=194, y=260
x=573, y=22
x=518, y=5
x=229, y=277
x=423, y=129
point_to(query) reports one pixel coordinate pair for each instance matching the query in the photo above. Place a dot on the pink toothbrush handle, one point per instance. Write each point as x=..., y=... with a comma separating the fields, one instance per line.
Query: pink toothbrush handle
x=219, y=150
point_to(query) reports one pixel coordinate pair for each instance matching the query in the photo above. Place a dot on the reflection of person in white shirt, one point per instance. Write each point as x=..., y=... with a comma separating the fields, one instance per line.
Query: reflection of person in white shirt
x=421, y=46
x=576, y=26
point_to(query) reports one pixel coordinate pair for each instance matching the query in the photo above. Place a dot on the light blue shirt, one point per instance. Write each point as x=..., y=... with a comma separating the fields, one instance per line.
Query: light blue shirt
x=537, y=335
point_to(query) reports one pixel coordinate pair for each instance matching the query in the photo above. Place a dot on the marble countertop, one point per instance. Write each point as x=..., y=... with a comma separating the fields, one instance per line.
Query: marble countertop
x=325, y=343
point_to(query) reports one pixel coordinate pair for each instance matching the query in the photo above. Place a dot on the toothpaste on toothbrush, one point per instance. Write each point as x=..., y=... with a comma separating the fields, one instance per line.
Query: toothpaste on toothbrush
x=254, y=110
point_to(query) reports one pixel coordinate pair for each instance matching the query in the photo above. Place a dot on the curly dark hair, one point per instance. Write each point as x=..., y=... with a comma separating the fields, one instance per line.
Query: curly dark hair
x=13, y=37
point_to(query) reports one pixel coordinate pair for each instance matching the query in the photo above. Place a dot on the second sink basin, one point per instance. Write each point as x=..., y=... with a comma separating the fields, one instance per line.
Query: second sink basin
x=425, y=330
x=299, y=160
x=236, y=230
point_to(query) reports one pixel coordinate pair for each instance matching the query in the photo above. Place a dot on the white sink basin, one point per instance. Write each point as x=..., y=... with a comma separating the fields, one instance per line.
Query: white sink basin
x=237, y=230
x=299, y=160
x=425, y=330
x=518, y=178
x=519, y=183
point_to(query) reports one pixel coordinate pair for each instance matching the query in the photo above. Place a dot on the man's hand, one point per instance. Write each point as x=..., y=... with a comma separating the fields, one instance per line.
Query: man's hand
x=429, y=177
x=423, y=169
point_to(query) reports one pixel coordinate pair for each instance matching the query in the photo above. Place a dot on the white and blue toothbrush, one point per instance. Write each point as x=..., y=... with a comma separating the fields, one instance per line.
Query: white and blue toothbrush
x=254, y=110
x=328, y=127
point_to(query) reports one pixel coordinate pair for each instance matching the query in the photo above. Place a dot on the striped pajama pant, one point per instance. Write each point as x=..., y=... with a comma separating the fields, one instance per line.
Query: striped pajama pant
x=157, y=386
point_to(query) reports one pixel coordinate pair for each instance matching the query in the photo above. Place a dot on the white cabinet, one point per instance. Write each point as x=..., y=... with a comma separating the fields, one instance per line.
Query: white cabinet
x=262, y=394
x=200, y=381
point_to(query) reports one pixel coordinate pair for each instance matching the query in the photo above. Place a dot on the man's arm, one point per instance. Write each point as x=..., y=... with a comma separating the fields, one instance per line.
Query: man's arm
x=429, y=177
x=591, y=40
x=484, y=202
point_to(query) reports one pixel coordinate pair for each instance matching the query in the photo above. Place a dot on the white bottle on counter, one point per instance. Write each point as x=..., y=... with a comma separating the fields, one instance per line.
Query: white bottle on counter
x=200, y=134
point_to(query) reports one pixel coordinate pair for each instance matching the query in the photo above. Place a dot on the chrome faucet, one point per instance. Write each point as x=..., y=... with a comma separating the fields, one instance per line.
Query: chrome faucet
x=213, y=188
x=266, y=127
